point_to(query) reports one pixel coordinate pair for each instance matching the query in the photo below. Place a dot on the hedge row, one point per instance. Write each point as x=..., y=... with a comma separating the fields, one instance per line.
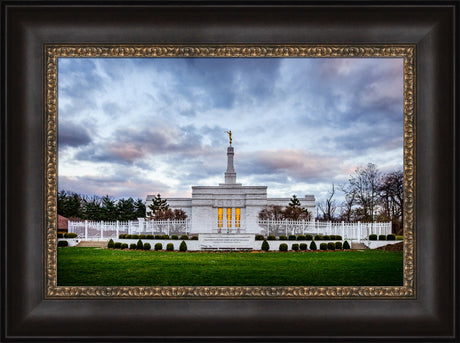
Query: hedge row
x=144, y=246
x=389, y=237
x=303, y=246
x=66, y=235
x=300, y=238
x=173, y=237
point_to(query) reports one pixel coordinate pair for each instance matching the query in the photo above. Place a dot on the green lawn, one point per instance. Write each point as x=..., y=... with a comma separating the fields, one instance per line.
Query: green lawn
x=102, y=267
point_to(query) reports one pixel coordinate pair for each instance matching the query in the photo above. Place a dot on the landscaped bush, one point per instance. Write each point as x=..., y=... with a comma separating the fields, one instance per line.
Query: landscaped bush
x=158, y=236
x=121, y=235
x=128, y=236
x=319, y=237
x=399, y=238
x=326, y=237
x=301, y=238
x=194, y=238
x=338, y=245
x=295, y=247
x=309, y=237
x=149, y=237
x=259, y=237
x=124, y=246
x=140, y=245
x=117, y=245
x=175, y=237
x=313, y=245
x=142, y=236
x=63, y=244
x=303, y=246
x=70, y=235
x=183, y=246
x=135, y=236
x=331, y=246
x=382, y=238
x=170, y=247
x=158, y=246
x=391, y=237
x=283, y=238
x=265, y=245
x=292, y=237
x=283, y=247
x=133, y=246
x=372, y=237
x=60, y=235
x=111, y=244
x=323, y=246
x=165, y=237
x=147, y=246
x=331, y=237
x=271, y=238
x=184, y=237
x=338, y=237
x=346, y=245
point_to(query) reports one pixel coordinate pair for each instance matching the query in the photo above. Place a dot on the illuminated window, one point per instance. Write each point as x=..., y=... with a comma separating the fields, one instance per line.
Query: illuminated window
x=229, y=217
x=237, y=217
x=220, y=216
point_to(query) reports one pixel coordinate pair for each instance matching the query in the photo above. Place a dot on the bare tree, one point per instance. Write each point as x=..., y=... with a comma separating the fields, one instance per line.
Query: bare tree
x=328, y=206
x=392, y=198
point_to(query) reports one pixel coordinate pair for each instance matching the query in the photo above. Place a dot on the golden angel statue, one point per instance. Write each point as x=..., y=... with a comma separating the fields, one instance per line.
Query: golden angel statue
x=229, y=135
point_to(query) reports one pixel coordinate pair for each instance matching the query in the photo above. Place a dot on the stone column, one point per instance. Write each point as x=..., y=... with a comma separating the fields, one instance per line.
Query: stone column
x=230, y=174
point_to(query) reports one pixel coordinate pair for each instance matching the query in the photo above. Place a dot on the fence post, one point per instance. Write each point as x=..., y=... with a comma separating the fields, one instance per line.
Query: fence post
x=168, y=227
x=129, y=227
x=102, y=229
x=86, y=229
x=343, y=229
x=118, y=227
x=285, y=228
x=359, y=232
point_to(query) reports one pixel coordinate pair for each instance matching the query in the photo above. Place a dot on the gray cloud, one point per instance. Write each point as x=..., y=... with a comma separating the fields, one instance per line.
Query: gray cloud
x=72, y=134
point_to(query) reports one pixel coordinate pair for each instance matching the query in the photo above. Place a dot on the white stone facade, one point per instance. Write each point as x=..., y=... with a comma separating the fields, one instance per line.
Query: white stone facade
x=229, y=207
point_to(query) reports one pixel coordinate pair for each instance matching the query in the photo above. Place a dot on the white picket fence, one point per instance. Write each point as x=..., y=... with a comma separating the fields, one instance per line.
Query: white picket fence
x=350, y=231
x=103, y=230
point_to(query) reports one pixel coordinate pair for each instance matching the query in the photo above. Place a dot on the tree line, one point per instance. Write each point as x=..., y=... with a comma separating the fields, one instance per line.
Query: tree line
x=82, y=207
x=370, y=195
x=293, y=211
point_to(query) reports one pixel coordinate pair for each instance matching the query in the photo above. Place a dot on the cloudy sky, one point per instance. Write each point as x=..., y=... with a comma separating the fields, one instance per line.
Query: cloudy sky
x=138, y=126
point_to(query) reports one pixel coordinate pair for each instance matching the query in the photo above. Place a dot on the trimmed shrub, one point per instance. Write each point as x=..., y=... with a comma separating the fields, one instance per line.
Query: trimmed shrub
x=283, y=247
x=165, y=237
x=382, y=238
x=331, y=246
x=326, y=238
x=63, y=244
x=60, y=235
x=149, y=237
x=338, y=245
x=331, y=237
x=147, y=246
x=323, y=246
x=70, y=235
x=158, y=236
x=301, y=238
x=292, y=237
x=140, y=245
x=194, y=238
x=372, y=237
x=184, y=237
x=135, y=236
x=391, y=237
x=283, y=238
x=259, y=237
x=309, y=237
x=319, y=237
x=133, y=246
x=121, y=235
x=175, y=237
x=158, y=246
x=111, y=244
x=271, y=238
x=169, y=247
x=399, y=238
x=265, y=245
x=124, y=246
x=346, y=245
x=303, y=246
x=128, y=236
x=338, y=237
x=313, y=246
x=142, y=236
x=183, y=246
x=295, y=247
x=117, y=245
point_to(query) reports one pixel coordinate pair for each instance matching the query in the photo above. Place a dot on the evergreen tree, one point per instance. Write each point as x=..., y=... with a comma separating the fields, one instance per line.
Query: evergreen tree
x=139, y=209
x=158, y=205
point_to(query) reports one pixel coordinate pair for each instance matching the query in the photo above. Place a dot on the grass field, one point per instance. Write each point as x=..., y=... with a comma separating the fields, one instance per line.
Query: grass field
x=102, y=267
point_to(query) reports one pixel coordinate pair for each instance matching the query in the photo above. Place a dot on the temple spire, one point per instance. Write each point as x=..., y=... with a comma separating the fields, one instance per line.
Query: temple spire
x=230, y=174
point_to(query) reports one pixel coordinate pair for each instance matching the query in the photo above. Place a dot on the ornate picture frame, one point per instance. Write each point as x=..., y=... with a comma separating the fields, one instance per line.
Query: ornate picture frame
x=35, y=308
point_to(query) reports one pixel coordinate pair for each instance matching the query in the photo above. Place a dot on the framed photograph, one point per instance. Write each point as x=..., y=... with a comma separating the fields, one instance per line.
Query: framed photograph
x=99, y=98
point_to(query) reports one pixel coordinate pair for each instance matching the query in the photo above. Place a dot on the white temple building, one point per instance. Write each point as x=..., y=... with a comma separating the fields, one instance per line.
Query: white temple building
x=229, y=207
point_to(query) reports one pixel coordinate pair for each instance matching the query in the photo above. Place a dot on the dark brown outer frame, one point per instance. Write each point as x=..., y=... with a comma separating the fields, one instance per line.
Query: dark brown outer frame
x=27, y=27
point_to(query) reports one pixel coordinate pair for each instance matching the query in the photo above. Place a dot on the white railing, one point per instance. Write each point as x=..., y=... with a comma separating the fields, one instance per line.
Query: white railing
x=103, y=230
x=351, y=231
